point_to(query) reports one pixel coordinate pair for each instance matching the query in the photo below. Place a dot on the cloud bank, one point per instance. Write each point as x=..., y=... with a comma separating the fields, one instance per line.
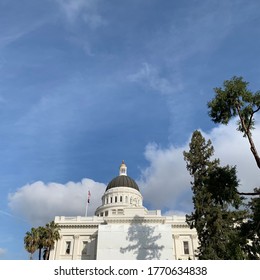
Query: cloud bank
x=165, y=180
x=164, y=184
x=39, y=203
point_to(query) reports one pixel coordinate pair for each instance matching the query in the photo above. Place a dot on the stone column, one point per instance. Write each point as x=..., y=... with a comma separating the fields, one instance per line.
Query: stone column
x=176, y=245
x=75, y=247
x=194, y=244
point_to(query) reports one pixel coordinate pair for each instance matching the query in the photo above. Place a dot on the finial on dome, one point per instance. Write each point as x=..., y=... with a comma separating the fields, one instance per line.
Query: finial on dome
x=123, y=169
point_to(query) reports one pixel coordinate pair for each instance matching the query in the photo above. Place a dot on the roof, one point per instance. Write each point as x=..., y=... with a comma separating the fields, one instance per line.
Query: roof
x=122, y=181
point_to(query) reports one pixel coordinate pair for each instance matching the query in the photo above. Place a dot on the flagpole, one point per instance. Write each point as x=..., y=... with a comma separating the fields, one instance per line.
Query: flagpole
x=86, y=212
x=88, y=200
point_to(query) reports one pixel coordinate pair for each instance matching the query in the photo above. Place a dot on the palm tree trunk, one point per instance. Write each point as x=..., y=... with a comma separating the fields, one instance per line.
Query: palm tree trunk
x=47, y=254
x=40, y=253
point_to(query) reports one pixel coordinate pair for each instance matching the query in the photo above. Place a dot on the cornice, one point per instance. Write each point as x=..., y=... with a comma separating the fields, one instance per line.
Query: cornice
x=131, y=220
x=78, y=226
x=180, y=226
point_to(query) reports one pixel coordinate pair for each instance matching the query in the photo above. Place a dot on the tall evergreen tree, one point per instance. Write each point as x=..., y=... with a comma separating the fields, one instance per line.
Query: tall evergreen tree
x=216, y=216
x=234, y=99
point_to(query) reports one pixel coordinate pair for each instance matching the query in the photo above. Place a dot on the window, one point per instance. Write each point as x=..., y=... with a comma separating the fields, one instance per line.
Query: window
x=120, y=211
x=107, y=200
x=186, y=247
x=84, y=247
x=114, y=212
x=106, y=213
x=116, y=199
x=68, y=247
x=111, y=199
x=121, y=199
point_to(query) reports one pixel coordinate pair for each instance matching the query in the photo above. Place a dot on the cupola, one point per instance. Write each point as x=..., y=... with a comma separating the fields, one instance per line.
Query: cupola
x=123, y=169
x=123, y=180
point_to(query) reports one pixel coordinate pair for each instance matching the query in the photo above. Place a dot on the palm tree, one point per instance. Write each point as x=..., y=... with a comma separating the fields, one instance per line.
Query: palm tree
x=40, y=240
x=51, y=235
x=30, y=241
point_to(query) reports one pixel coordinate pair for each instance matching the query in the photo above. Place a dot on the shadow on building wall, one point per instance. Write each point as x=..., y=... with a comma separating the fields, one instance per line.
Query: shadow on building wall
x=89, y=248
x=143, y=240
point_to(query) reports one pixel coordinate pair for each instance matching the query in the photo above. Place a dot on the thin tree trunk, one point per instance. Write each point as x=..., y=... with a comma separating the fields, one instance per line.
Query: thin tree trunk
x=253, y=150
x=250, y=139
x=40, y=253
x=47, y=253
x=248, y=193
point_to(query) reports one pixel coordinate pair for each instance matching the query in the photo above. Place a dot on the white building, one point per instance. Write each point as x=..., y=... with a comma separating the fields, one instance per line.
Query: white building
x=123, y=228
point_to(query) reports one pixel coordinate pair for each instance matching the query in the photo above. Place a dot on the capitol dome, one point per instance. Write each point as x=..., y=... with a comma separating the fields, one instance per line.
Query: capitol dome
x=121, y=193
x=122, y=181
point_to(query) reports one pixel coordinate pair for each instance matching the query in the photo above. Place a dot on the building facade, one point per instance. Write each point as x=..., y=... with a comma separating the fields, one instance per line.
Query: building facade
x=122, y=228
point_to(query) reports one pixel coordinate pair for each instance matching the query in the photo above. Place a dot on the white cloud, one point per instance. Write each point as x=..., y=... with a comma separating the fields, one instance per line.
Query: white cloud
x=82, y=9
x=165, y=183
x=166, y=178
x=38, y=203
x=232, y=148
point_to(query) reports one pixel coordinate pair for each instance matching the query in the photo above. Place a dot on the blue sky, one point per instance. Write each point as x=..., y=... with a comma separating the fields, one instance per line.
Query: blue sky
x=85, y=84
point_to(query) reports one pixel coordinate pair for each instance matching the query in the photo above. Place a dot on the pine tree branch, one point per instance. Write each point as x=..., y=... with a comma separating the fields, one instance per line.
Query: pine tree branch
x=256, y=110
x=251, y=118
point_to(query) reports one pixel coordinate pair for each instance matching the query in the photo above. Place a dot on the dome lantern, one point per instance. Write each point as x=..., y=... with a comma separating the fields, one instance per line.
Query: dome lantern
x=123, y=169
x=123, y=180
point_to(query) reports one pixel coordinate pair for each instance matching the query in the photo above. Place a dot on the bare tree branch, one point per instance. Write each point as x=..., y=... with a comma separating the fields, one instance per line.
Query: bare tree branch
x=251, y=117
x=248, y=193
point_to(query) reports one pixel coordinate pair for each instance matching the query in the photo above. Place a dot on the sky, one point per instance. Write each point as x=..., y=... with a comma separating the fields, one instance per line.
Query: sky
x=85, y=84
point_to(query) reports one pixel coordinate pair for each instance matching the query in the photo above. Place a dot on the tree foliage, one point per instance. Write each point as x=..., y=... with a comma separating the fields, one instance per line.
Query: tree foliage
x=42, y=238
x=251, y=228
x=51, y=235
x=216, y=217
x=235, y=99
x=224, y=230
x=30, y=241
